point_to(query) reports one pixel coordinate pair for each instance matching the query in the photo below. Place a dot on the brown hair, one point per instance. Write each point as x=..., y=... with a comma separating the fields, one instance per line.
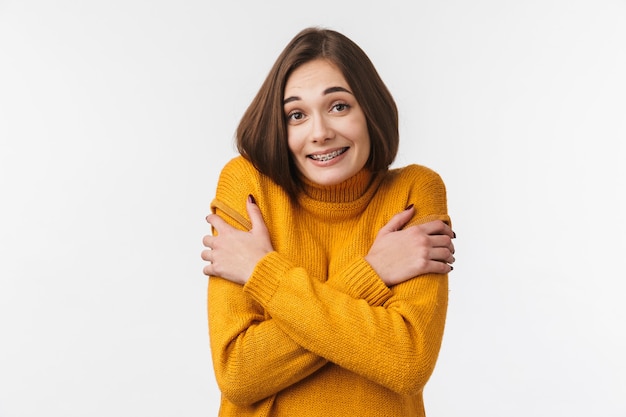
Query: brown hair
x=262, y=131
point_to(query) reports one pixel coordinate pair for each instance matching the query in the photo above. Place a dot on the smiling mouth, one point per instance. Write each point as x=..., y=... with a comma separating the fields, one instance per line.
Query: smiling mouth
x=328, y=156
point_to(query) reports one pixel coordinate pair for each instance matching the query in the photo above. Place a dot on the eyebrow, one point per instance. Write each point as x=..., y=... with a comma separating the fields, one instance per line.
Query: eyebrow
x=327, y=91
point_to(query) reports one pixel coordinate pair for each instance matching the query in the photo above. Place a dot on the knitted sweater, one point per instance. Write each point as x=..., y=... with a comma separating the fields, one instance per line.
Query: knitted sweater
x=315, y=331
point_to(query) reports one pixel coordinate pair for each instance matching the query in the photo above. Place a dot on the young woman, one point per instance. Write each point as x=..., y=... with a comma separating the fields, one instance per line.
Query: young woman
x=328, y=270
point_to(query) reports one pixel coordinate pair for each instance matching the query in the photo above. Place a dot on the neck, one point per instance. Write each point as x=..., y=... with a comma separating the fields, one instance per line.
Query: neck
x=344, y=199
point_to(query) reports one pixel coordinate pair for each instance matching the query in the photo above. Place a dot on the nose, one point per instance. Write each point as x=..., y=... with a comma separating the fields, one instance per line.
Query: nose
x=321, y=130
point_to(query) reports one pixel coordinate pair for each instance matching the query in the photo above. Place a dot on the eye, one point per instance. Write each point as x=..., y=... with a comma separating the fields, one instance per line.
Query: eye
x=340, y=107
x=295, y=116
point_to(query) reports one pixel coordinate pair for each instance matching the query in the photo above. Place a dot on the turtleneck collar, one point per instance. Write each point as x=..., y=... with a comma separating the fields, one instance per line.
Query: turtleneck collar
x=344, y=199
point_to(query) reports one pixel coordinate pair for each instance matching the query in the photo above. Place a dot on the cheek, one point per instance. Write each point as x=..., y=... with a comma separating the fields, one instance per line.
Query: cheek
x=290, y=145
x=360, y=130
x=293, y=142
x=364, y=137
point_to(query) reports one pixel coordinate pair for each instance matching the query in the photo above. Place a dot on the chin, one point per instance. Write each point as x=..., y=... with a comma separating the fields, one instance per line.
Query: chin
x=327, y=176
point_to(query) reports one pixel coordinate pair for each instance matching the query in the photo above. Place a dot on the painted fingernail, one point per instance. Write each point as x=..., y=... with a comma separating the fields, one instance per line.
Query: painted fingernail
x=451, y=268
x=207, y=218
x=453, y=234
x=251, y=199
x=409, y=207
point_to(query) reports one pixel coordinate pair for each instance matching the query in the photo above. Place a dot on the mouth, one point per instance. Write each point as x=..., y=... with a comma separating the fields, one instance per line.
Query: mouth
x=325, y=157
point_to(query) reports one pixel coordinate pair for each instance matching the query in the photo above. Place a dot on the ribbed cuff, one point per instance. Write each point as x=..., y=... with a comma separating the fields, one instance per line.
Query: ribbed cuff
x=362, y=282
x=266, y=277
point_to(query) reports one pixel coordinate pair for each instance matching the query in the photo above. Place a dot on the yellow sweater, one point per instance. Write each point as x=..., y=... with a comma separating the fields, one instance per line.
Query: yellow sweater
x=315, y=332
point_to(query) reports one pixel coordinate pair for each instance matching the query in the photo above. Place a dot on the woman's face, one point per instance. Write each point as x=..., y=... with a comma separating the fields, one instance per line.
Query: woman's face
x=326, y=128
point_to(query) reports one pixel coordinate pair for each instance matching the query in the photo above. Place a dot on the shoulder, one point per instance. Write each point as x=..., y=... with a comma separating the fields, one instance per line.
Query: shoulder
x=418, y=185
x=415, y=175
x=237, y=169
x=239, y=179
x=238, y=176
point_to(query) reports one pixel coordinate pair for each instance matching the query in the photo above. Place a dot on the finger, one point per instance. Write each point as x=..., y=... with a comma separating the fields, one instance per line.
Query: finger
x=437, y=267
x=217, y=222
x=208, y=241
x=207, y=255
x=441, y=255
x=256, y=218
x=437, y=227
x=398, y=221
x=442, y=241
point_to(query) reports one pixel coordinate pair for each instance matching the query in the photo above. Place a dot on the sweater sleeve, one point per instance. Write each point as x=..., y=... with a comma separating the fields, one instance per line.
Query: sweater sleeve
x=395, y=344
x=391, y=336
x=253, y=357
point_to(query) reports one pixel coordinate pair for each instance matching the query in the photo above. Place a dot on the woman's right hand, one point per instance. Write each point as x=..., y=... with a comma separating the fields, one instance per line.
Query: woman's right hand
x=398, y=255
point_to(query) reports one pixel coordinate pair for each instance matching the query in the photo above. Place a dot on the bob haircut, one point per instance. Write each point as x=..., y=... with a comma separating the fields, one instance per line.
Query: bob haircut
x=262, y=132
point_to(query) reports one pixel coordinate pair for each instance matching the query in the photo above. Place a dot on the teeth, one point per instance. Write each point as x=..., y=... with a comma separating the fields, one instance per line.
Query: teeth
x=328, y=156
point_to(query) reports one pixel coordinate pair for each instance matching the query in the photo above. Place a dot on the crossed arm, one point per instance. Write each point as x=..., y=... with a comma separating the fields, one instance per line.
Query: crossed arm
x=396, y=255
x=261, y=332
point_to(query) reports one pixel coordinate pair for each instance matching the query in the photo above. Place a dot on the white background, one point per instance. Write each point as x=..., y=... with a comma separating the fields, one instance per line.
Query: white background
x=117, y=116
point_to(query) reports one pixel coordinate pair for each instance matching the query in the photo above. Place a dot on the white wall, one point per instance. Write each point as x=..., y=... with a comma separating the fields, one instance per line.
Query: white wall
x=116, y=118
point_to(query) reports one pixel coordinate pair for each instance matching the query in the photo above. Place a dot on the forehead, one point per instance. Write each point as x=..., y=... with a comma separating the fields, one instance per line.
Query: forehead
x=316, y=75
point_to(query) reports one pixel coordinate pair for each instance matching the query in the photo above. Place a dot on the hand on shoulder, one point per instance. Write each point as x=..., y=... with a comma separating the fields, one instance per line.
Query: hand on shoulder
x=398, y=254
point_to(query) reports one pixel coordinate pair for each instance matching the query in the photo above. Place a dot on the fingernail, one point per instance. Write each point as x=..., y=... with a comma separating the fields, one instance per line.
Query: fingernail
x=453, y=234
x=251, y=199
x=207, y=218
x=409, y=207
x=451, y=268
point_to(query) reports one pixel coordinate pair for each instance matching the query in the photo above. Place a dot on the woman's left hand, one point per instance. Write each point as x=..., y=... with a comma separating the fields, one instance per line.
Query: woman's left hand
x=232, y=254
